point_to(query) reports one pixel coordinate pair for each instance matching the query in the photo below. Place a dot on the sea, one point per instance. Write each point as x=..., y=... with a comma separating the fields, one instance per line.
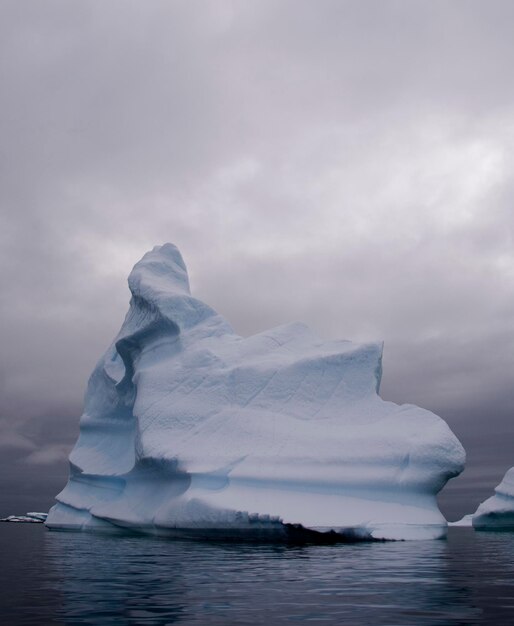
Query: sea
x=81, y=578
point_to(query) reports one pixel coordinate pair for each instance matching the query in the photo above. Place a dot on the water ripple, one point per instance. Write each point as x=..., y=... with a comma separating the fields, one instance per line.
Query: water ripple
x=73, y=578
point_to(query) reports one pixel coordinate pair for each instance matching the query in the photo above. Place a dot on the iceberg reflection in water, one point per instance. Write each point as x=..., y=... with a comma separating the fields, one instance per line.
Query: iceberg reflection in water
x=71, y=578
x=140, y=580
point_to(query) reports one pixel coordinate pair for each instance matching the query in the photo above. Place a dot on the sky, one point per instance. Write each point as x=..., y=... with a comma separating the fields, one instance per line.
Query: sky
x=348, y=164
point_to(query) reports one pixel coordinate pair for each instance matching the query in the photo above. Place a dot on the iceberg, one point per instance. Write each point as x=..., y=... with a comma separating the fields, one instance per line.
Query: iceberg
x=497, y=512
x=190, y=430
x=37, y=515
x=31, y=516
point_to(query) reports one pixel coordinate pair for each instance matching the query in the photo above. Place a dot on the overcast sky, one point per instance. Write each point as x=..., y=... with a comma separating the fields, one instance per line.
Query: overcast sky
x=348, y=164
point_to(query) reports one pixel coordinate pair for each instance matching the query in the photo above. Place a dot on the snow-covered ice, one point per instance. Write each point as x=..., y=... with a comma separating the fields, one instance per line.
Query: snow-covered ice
x=497, y=512
x=191, y=430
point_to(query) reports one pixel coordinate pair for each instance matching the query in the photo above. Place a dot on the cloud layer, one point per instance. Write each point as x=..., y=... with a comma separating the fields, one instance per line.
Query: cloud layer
x=348, y=164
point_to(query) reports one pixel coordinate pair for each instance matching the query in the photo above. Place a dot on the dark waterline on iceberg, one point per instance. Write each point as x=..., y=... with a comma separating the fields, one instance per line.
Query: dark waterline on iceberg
x=81, y=578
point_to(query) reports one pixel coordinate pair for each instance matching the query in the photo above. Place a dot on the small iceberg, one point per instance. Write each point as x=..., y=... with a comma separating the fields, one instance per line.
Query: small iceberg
x=497, y=512
x=190, y=430
x=31, y=517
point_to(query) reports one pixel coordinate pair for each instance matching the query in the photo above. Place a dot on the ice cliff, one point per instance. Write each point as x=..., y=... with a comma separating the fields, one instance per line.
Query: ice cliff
x=497, y=512
x=191, y=430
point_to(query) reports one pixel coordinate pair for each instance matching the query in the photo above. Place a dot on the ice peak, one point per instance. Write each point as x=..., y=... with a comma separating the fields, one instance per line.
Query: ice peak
x=160, y=270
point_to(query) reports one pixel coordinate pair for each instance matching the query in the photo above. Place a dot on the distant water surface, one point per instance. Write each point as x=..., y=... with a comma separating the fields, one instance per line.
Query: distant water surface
x=74, y=578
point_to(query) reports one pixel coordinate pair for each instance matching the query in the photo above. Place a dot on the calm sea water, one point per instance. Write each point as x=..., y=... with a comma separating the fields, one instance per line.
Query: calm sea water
x=73, y=578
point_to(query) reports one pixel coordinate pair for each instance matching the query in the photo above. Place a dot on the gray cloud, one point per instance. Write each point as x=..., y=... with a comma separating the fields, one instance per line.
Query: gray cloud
x=347, y=164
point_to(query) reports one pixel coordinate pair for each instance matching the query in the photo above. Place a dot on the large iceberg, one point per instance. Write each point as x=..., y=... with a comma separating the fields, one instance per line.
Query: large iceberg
x=190, y=430
x=497, y=512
